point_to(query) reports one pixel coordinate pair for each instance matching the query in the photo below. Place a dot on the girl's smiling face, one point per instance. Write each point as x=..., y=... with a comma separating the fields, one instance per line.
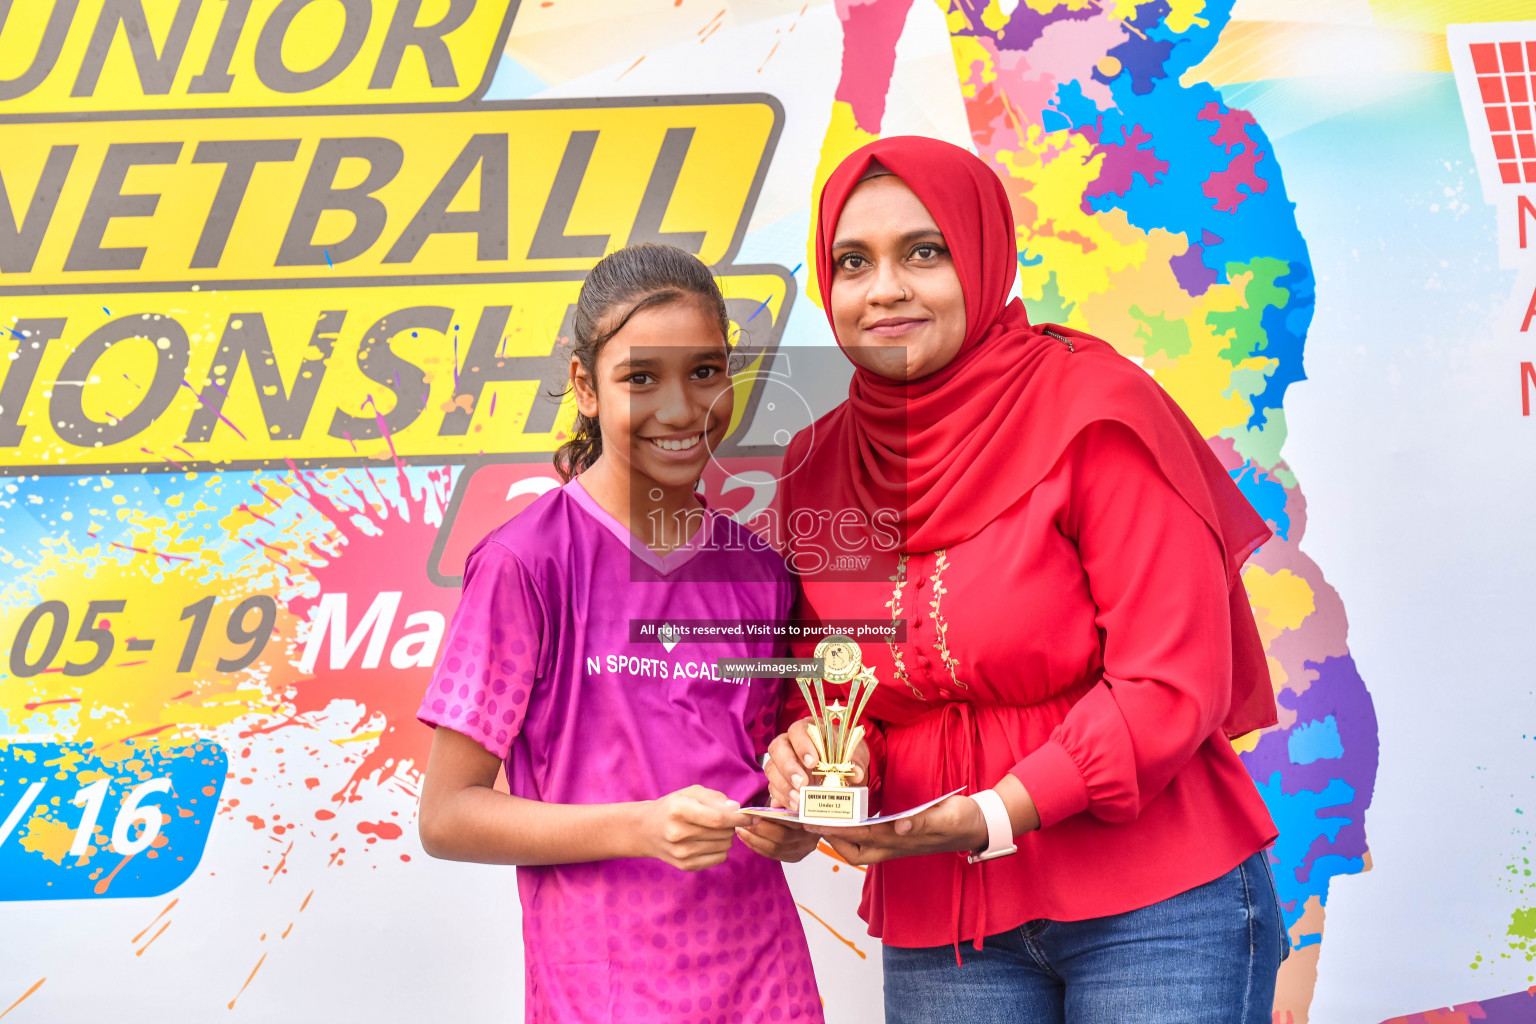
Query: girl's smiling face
x=662, y=394
x=897, y=305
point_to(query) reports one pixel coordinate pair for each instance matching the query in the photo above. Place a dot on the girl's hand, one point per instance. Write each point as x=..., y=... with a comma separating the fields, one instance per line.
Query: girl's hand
x=791, y=756
x=954, y=825
x=778, y=840
x=690, y=829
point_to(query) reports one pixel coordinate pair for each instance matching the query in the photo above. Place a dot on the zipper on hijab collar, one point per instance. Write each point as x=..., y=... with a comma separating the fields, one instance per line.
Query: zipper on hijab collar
x=1065, y=341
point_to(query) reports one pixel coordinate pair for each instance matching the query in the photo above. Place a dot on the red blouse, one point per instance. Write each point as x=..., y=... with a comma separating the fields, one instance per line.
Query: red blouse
x=1101, y=684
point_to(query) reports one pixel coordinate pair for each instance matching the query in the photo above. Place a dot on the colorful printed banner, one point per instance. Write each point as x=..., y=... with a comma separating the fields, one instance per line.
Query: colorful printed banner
x=285, y=289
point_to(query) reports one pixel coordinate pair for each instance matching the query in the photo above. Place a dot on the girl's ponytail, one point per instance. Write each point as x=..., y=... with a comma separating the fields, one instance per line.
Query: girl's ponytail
x=583, y=447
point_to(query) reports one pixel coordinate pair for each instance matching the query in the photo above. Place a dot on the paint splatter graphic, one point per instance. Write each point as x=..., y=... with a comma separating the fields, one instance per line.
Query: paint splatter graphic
x=204, y=586
x=1518, y=943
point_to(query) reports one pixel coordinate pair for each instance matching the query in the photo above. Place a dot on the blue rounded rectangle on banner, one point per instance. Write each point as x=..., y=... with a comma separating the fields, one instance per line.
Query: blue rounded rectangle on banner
x=75, y=825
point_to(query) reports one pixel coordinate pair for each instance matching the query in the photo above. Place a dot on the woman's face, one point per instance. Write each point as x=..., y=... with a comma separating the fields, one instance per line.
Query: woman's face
x=897, y=306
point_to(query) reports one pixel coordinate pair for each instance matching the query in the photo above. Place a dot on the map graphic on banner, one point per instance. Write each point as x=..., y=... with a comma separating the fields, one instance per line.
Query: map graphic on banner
x=284, y=289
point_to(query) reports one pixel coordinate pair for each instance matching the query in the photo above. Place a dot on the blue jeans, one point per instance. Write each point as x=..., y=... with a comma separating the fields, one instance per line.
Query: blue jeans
x=1205, y=956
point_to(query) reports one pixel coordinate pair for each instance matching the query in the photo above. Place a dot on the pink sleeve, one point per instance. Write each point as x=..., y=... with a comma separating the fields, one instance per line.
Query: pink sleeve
x=490, y=658
x=1155, y=573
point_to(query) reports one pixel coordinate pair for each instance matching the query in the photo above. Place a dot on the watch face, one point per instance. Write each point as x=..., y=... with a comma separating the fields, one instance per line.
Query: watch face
x=842, y=658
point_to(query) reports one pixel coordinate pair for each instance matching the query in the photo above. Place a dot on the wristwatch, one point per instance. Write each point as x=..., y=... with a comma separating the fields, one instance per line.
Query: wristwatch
x=999, y=828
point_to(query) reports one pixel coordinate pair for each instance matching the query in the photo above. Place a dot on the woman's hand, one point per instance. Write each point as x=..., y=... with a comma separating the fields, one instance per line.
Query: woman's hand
x=778, y=840
x=791, y=756
x=690, y=829
x=955, y=825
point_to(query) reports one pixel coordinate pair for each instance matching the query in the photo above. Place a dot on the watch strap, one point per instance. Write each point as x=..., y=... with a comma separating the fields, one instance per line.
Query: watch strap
x=999, y=827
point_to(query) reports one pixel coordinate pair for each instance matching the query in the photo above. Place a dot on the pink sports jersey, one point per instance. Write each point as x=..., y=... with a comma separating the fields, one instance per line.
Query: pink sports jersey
x=538, y=667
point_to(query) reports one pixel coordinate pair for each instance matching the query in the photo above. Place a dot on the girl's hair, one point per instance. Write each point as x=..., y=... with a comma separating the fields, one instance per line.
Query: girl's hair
x=635, y=277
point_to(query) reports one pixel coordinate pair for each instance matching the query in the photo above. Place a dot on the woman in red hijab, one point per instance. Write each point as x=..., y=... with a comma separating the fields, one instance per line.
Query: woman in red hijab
x=1078, y=645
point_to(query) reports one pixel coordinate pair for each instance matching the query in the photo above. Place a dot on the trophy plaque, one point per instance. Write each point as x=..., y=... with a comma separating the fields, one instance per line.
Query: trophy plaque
x=835, y=733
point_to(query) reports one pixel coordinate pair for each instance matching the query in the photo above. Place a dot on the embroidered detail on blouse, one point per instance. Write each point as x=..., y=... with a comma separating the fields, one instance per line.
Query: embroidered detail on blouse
x=939, y=625
x=894, y=604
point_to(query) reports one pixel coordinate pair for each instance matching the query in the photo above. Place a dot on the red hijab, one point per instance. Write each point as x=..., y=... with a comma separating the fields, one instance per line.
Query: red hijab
x=953, y=450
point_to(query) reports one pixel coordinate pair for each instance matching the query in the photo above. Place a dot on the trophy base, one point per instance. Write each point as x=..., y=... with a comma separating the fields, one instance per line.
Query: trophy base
x=834, y=803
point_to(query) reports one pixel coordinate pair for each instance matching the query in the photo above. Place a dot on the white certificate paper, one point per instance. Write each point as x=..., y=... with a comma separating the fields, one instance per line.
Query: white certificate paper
x=786, y=815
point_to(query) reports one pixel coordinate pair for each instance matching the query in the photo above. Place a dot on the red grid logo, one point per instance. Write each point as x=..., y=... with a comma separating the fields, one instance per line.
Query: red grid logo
x=1504, y=75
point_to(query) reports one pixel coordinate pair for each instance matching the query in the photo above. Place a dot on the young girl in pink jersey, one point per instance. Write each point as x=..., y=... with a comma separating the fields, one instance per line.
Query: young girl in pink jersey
x=628, y=761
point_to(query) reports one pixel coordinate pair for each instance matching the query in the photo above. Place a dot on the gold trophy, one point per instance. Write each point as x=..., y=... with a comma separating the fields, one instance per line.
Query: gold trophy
x=835, y=733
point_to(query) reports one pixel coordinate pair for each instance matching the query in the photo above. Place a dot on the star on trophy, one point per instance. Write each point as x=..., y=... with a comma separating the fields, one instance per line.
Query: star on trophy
x=835, y=732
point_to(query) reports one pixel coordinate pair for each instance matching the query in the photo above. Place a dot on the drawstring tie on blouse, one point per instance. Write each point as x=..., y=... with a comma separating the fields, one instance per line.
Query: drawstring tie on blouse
x=956, y=717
